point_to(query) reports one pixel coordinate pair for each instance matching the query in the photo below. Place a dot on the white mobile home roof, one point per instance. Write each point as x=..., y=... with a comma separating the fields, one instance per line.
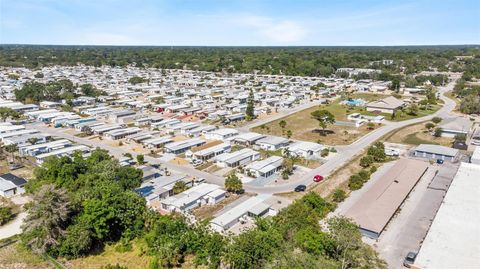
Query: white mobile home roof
x=453, y=238
x=63, y=151
x=238, y=211
x=191, y=195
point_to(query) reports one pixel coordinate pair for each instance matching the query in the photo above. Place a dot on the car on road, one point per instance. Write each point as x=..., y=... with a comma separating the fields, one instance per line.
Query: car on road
x=409, y=259
x=317, y=178
x=300, y=188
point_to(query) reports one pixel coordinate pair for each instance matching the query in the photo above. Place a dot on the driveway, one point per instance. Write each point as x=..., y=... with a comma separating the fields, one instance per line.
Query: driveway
x=13, y=227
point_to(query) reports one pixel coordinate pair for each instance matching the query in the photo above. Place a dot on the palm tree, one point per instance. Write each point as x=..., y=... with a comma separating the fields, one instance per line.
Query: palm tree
x=46, y=218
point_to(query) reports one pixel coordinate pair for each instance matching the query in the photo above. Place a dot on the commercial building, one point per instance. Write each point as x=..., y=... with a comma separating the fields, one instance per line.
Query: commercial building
x=430, y=151
x=453, y=238
x=376, y=207
x=387, y=105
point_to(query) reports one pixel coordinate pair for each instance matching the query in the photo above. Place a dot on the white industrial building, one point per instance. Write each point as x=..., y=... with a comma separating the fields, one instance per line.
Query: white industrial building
x=453, y=238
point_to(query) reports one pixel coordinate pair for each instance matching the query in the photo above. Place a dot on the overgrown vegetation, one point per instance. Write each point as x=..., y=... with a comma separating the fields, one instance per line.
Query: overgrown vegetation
x=81, y=204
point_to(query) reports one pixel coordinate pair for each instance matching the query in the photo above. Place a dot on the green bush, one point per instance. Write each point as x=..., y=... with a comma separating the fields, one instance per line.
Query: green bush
x=339, y=195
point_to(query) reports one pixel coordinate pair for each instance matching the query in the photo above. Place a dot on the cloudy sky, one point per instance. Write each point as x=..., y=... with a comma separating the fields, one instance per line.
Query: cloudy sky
x=239, y=22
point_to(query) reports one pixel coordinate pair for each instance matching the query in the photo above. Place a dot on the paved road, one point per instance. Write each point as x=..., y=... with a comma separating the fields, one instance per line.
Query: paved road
x=349, y=151
x=13, y=227
x=119, y=151
x=346, y=153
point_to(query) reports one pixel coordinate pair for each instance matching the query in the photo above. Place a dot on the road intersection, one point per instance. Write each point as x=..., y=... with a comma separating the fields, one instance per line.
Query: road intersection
x=345, y=154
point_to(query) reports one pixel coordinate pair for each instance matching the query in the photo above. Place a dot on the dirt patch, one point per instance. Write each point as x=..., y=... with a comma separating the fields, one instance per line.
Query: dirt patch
x=208, y=211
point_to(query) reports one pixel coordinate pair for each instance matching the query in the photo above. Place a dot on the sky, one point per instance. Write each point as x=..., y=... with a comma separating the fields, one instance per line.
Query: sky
x=240, y=22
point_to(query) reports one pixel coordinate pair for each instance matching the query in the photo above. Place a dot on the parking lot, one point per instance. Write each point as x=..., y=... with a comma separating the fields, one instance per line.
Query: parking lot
x=407, y=230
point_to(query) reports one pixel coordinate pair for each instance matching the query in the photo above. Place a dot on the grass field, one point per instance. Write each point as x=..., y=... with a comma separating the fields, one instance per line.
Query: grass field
x=17, y=256
x=417, y=134
x=304, y=127
x=131, y=259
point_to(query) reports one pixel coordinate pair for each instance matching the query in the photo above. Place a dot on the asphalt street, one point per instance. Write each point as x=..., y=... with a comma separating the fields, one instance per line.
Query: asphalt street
x=346, y=153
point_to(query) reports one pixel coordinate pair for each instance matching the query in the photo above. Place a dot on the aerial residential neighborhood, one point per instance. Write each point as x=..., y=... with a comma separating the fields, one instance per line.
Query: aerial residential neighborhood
x=231, y=135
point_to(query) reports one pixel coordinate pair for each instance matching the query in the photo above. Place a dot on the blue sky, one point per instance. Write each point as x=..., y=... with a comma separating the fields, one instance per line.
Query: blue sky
x=239, y=23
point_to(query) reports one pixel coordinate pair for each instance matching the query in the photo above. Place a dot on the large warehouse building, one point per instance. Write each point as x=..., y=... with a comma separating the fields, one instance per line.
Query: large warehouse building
x=376, y=207
x=453, y=240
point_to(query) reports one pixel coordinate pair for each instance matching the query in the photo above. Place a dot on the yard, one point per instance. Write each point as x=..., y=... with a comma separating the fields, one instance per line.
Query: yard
x=304, y=127
x=417, y=134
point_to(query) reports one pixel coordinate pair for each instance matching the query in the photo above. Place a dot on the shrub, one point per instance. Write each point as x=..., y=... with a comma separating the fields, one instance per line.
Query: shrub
x=339, y=195
x=364, y=175
x=436, y=120
x=5, y=215
x=366, y=161
x=355, y=182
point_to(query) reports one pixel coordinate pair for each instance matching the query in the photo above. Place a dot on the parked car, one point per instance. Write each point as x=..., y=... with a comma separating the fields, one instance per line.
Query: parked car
x=439, y=161
x=317, y=178
x=300, y=188
x=409, y=259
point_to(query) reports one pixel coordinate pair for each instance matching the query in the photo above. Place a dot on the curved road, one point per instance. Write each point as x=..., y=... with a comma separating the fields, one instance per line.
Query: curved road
x=349, y=151
x=346, y=153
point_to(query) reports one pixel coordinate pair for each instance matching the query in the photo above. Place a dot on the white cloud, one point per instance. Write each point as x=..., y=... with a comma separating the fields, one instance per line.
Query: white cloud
x=283, y=31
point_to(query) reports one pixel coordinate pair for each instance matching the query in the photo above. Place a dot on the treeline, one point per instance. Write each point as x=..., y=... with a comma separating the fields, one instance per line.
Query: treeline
x=80, y=204
x=467, y=88
x=304, y=61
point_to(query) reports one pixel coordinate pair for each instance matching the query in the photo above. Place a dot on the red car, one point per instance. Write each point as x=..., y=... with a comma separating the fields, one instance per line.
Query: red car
x=317, y=178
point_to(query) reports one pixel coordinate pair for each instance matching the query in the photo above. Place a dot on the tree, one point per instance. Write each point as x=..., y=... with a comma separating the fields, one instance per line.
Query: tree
x=282, y=124
x=6, y=214
x=289, y=134
x=461, y=137
x=438, y=132
x=429, y=125
x=233, y=183
x=179, y=187
x=413, y=110
x=377, y=151
x=371, y=125
x=339, y=195
x=366, y=161
x=46, y=218
x=12, y=148
x=250, y=112
x=346, y=237
x=136, y=80
x=32, y=140
x=140, y=159
x=436, y=120
x=6, y=112
x=324, y=117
